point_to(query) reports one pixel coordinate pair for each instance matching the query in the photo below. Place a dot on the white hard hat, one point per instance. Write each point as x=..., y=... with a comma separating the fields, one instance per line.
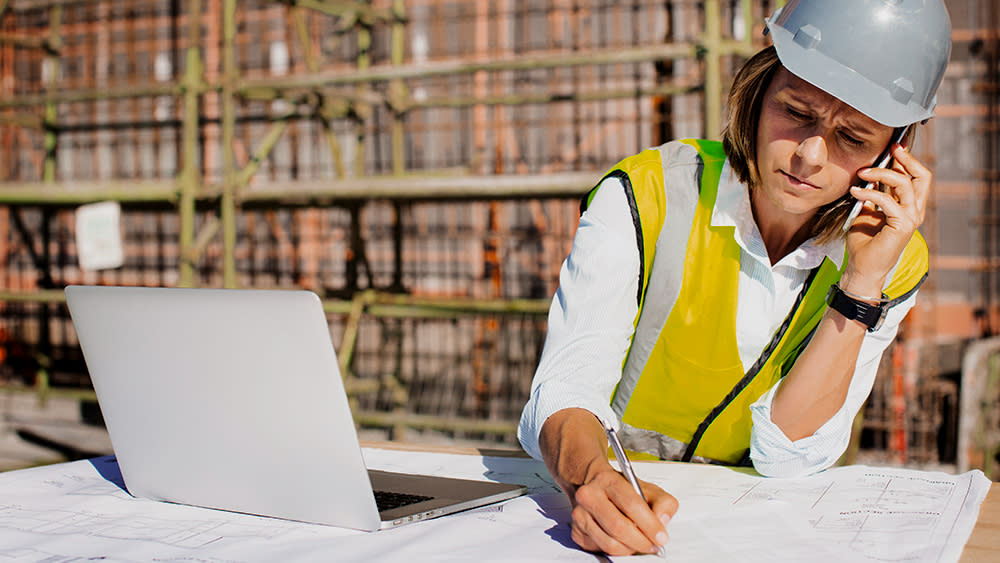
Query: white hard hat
x=884, y=58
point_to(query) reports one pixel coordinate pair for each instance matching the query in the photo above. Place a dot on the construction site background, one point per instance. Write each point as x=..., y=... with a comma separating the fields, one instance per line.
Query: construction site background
x=419, y=164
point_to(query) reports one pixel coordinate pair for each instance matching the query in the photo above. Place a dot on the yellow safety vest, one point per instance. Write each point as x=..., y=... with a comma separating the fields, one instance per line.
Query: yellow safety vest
x=691, y=389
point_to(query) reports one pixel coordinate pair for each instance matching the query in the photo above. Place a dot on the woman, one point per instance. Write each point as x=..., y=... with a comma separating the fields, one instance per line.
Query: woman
x=713, y=307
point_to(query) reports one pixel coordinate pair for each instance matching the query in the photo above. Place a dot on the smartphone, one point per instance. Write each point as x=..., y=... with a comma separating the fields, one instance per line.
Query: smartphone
x=884, y=160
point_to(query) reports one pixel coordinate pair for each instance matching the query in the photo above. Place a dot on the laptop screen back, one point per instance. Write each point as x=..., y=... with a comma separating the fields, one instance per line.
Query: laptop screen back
x=226, y=399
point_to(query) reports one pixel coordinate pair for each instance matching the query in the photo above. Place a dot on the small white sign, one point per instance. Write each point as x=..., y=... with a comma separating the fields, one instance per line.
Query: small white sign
x=279, y=59
x=98, y=236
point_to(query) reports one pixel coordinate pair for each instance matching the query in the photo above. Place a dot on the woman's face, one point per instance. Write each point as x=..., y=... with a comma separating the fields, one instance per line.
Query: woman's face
x=810, y=146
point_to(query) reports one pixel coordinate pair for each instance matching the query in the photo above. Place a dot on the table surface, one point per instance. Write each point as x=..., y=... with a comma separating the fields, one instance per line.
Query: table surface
x=983, y=545
x=76, y=502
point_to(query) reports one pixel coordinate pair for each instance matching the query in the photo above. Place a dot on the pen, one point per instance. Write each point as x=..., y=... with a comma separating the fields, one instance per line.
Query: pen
x=623, y=460
x=626, y=465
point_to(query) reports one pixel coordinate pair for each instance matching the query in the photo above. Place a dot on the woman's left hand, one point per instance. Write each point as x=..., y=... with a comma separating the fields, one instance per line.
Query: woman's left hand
x=887, y=221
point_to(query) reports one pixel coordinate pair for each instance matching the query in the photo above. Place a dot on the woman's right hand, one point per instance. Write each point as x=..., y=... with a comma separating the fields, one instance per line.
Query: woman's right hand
x=608, y=514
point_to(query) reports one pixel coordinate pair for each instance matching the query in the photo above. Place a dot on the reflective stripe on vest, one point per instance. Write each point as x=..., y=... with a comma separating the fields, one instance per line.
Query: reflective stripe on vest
x=683, y=369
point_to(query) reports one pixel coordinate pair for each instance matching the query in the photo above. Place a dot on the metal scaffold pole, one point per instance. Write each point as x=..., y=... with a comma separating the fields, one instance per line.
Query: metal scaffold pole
x=227, y=211
x=189, y=180
x=713, y=70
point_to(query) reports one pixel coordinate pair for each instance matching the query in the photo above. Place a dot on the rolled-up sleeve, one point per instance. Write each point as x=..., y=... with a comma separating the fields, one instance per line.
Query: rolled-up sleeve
x=590, y=319
x=775, y=455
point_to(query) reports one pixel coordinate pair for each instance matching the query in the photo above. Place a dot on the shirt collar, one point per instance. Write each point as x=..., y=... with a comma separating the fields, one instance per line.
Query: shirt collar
x=732, y=209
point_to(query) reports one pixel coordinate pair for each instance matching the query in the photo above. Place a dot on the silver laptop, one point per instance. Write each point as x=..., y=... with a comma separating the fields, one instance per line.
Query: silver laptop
x=232, y=399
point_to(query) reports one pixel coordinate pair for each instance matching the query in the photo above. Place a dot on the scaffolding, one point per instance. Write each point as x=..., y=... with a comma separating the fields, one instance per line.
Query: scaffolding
x=417, y=163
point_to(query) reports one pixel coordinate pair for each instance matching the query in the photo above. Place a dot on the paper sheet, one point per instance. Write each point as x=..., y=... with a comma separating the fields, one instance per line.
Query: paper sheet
x=79, y=510
x=854, y=513
x=98, y=236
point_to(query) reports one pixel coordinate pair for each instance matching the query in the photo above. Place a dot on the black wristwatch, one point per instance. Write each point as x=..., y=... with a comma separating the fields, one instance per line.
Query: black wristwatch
x=869, y=315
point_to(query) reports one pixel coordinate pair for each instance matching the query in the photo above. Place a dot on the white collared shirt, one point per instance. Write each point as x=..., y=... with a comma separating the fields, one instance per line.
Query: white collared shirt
x=600, y=333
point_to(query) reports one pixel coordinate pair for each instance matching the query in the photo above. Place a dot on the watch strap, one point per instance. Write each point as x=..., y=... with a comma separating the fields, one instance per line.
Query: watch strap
x=856, y=310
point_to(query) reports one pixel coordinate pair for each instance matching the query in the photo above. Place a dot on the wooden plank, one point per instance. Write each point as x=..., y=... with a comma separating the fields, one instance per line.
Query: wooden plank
x=984, y=543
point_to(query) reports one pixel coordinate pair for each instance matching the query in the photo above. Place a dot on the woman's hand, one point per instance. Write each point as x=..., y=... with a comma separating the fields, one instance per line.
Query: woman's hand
x=887, y=221
x=608, y=515
x=819, y=382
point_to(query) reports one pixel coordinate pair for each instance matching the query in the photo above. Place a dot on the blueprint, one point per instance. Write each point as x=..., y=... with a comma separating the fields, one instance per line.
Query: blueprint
x=81, y=510
x=853, y=513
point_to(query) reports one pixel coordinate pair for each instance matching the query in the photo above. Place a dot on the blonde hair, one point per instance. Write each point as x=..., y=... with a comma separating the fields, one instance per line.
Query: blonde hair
x=739, y=138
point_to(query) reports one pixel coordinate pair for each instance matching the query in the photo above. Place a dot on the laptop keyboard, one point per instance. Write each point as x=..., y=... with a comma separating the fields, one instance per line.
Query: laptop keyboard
x=387, y=500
